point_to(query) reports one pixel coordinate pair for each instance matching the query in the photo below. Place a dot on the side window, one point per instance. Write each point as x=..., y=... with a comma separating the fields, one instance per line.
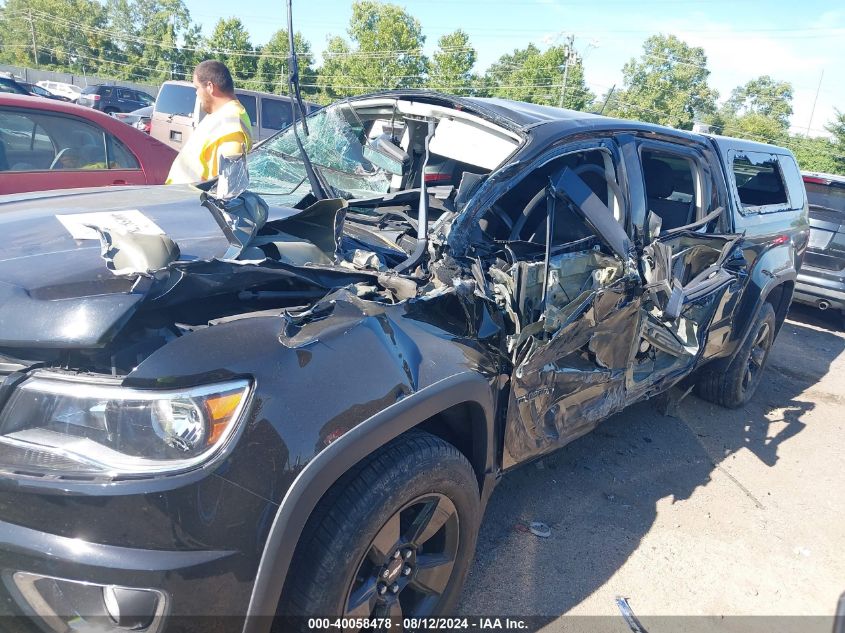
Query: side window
x=106, y=92
x=794, y=183
x=520, y=214
x=671, y=185
x=119, y=155
x=80, y=145
x=759, y=181
x=40, y=141
x=275, y=113
x=248, y=102
x=144, y=98
x=176, y=99
x=26, y=145
x=129, y=95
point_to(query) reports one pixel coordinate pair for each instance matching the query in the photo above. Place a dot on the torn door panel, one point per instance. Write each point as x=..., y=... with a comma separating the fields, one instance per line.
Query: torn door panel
x=687, y=281
x=567, y=382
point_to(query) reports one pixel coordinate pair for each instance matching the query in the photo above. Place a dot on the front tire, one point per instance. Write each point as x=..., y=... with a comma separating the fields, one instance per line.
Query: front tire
x=394, y=537
x=733, y=387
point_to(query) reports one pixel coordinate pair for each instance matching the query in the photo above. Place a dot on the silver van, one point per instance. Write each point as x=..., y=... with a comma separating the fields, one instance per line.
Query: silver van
x=177, y=112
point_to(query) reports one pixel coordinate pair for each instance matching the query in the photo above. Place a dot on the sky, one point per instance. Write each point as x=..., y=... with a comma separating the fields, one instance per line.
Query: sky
x=799, y=42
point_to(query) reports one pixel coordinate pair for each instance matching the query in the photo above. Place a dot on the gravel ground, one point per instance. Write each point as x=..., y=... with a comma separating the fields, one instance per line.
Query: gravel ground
x=718, y=513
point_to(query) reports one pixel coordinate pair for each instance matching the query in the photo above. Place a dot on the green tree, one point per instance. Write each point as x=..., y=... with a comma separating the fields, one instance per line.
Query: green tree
x=147, y=36
x=272, y=73
x=837, y=128
x=385, y=52
x=452, y=63
x=69, y=34
x=667, y=84
x=818, y=154
x=230, y=44
x=536, y=76
x=762, y=96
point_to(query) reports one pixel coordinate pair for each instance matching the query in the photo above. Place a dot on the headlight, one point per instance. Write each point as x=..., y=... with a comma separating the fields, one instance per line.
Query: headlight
x=52, y=424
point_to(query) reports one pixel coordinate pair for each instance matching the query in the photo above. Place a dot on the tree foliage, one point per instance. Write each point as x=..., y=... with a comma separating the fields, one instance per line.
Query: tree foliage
x=667, y=84
x=818, y=154
x=384, y=52
x=837, y=128
x=452, y=64
x=230, y=40
x=530, y=74
x=272, y=73
x=68, y=34
x=762, y=96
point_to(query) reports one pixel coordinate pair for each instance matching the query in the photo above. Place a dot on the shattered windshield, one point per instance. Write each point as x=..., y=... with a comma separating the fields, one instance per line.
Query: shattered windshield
x=335, y=146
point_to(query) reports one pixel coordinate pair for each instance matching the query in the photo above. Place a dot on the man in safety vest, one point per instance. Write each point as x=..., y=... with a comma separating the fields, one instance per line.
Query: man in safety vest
x=225, y=131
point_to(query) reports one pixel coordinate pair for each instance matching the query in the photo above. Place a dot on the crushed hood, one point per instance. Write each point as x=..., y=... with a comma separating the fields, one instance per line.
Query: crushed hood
x=56, y=291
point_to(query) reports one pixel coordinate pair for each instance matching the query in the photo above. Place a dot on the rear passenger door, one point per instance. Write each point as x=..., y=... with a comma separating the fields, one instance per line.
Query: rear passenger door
x=692, y=264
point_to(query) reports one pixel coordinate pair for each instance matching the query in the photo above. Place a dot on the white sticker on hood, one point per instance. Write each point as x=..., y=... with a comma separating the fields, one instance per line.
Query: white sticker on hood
x=129, y=221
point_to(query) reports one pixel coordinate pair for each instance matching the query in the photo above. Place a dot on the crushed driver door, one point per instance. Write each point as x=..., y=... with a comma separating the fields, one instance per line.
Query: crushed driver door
x=579, y=310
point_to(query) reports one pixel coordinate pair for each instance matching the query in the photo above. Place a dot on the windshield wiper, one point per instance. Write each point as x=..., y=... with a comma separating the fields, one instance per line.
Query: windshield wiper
x=319, y=187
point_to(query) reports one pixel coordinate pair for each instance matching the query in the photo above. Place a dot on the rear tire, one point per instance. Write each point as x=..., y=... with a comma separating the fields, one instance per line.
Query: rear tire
x=110, y=110
x=394, y=537
x=734, y=385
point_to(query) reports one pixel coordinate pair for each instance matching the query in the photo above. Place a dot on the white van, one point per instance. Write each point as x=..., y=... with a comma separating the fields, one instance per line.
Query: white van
x=177, y=112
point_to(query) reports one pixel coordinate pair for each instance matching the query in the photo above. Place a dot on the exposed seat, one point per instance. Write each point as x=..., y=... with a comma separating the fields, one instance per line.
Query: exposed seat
x=660, y=185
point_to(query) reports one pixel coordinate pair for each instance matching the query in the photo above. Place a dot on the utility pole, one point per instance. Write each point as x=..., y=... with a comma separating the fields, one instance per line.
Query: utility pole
x=32, y=32
x=813, y=111
x=571, y=57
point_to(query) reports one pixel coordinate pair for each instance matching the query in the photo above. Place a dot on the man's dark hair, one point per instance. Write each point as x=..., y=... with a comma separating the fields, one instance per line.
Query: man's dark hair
x=217, y=73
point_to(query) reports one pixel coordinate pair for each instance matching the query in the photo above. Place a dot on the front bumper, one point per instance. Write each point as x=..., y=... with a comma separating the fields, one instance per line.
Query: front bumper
x=814, y=288
x=188, y=589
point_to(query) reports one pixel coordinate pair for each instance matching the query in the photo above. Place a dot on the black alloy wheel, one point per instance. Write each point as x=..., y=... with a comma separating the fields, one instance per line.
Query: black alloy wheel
x=394, y=537
x=759, y=351
x=408, y=565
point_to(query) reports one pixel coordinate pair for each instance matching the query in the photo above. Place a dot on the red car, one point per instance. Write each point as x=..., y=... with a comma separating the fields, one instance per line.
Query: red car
x=46, y=144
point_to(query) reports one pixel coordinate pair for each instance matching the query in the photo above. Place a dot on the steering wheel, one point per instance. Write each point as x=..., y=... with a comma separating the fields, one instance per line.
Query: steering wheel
x=59, y=156
x=539, y=200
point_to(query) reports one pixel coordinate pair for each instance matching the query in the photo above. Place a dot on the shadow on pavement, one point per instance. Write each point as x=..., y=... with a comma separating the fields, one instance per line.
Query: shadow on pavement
x=600, y=494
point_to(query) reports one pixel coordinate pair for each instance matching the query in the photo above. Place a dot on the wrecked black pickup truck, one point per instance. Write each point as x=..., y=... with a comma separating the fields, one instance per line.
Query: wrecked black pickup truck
x=297, y=403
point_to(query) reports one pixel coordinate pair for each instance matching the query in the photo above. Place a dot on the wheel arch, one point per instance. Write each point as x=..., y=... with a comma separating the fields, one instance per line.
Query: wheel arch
x=436, y=409
x=772, y=281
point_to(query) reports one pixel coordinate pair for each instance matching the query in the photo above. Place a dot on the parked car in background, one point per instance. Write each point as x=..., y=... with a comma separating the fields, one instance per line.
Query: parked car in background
x=110, y=99
x=10, y=86
x=821, y=282
x=61, y=88
x=177, y=112
x=139, y=119
x=37, y=91
x=46, y=144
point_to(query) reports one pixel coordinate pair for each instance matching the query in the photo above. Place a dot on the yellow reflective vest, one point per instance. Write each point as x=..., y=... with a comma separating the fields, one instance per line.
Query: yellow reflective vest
x=198, y=159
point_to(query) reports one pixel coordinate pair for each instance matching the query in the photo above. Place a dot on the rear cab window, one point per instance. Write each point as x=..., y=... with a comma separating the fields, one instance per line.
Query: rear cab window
x=766, y=182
